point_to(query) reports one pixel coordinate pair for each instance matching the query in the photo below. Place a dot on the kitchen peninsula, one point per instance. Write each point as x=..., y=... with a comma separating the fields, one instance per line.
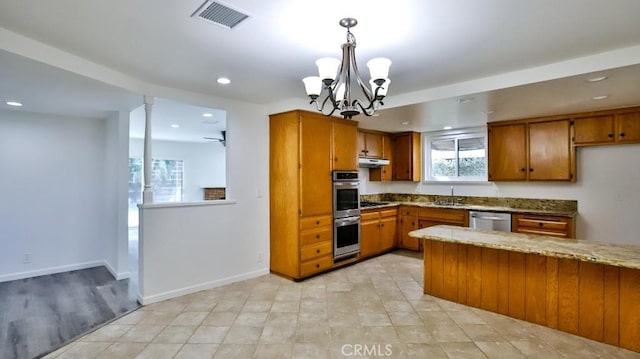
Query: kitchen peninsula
x=587, y=288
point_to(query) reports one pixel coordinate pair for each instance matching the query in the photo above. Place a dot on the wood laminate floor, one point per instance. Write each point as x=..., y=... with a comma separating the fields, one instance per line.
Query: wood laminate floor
x=40, y=314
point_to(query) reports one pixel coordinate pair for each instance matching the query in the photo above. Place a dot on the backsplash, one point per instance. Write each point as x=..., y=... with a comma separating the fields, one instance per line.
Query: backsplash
x=520, y=203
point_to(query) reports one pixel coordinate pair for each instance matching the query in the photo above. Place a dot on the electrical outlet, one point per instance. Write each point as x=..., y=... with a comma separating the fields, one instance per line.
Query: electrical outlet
x=260, y=257
x=26, y=258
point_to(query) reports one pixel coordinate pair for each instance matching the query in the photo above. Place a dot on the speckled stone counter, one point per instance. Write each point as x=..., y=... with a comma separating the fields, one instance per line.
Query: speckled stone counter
x=587, y=288
x=619, y=255
x=564, y=208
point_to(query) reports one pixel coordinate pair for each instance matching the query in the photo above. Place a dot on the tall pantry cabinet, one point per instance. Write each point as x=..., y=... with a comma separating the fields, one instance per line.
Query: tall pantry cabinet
x=304, y=148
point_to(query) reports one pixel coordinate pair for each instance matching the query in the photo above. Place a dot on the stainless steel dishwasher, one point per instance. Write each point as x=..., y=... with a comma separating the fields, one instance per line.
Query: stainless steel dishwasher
x=495, y=221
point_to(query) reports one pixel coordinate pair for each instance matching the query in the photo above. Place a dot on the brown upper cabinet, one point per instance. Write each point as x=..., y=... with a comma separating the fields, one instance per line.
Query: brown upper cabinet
x=531, y=150
x=406, y=156
x=370, y=144
x=384, y=173
x=622, y=126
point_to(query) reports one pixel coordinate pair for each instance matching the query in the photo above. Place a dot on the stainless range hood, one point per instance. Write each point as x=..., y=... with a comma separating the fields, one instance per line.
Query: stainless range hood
x=372, y=162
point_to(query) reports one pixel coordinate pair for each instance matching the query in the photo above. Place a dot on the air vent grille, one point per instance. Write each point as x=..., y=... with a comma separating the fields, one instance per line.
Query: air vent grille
x=220, y=14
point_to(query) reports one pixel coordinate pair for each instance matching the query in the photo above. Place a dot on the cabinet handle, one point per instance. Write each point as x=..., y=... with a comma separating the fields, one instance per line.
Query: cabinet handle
x=413, y=223
x=317, y=266
x=610, y=135
x=384, y=171
x=522, y=170
x=540, y=224
x=317, y=251
x=382, y=225
x=317, y=236
x=621, y=134
x=335, y=159
x=530, y=169
x=317, y=222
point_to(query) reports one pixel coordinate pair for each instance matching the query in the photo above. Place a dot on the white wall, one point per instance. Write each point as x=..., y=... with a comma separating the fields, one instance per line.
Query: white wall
x=189, y=247
x=607, y=191
x=54, y=194
x=204, y=163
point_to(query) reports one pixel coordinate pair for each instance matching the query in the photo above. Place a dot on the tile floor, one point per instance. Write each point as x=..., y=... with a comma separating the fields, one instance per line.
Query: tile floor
x=372, y=309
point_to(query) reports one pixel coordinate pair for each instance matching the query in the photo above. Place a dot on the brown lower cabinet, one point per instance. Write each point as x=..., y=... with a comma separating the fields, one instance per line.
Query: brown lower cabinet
x=596, y=301
x=412, y=218
x=377, y=231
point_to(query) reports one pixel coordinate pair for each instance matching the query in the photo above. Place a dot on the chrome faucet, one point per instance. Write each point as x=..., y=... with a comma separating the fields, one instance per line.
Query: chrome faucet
x=451, y=199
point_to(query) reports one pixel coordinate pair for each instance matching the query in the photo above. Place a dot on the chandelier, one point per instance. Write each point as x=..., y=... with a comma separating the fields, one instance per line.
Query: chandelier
x=335, y=76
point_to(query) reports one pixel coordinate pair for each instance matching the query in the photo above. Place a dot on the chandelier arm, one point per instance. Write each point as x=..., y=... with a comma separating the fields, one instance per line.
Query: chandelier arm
x=361, y=83
x=333, y=107
x=368, y=111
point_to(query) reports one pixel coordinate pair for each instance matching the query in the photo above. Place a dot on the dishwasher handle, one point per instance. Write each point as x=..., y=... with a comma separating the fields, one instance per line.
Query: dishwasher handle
x=492, y=218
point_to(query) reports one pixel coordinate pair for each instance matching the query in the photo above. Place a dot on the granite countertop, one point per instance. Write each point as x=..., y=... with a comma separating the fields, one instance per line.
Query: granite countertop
x=471, y=207
x=619, y=255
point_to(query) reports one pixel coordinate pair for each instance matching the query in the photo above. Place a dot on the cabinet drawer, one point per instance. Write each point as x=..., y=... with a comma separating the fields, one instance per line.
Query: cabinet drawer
x=409, y=211
x=316, y=265
x=315, y=222
x=543, y=232
x=389, y=212
x=542, y=223
x=444, y=215
x=316, y=250
x=316, y=236
x=369, y=216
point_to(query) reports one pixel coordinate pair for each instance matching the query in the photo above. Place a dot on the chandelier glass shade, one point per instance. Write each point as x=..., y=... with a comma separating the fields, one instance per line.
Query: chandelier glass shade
x=337, y=78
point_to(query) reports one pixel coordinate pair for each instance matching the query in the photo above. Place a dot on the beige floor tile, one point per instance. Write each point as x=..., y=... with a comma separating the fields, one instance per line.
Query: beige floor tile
x=320, y=318
x=414, y=334
x=482, y=333
x=239, y=334
x=499, y=350
x=108, y=333
x=310, y=350
x=466, y=350
x=379, y=335
x=397, y=306
x=257, y=306
x=229, y=306
x=251, y=319
x=343, y=319
x=171, y=305
x=313, y=305
x=347, y=335
x=370, y=306
x=208, y=335
x=159, y=351
x=374, y=319
x=277, y=335
x=278, y=319
x=235, y=351
x=200, y=306
x=189, y=318
x=430, y=351
x=536, y=349
x=288, y=295
x=317, y=334
x=425, y=304
x=197, y=351
x=286, y=306
x=447, y=333
x=220, y=319
x=157, y=318
x=174, y=334
x=131, y=318
x=435, y=318
x=466, y=317
x=273, y=351
x=141, y=334
x=122, y=351
x=84, y=350
x=405, y=318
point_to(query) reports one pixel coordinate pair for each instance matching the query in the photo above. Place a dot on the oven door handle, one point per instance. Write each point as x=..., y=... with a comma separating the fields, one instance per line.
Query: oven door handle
x=347, y=221
x=346, y=184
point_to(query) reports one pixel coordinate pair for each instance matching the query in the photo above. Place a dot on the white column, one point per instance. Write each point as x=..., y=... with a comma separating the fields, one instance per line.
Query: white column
x=147, y=193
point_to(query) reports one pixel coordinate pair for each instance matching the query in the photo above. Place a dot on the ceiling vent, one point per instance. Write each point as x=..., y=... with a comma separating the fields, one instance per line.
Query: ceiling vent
x=220, y=14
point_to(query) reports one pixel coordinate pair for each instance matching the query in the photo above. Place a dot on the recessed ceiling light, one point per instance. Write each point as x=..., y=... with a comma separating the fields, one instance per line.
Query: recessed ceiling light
x=597, y=78
x=14, y=103
x=207, y=115
x=465, y=99
x=447, y=127
x=488, y=112
x=601, y=97
x=223, y=81
x=175, y=126
x=405, y=123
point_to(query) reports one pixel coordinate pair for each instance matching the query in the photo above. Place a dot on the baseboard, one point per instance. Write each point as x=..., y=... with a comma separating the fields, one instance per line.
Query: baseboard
x=52, y=270
x=116, y=275
x=199, y=287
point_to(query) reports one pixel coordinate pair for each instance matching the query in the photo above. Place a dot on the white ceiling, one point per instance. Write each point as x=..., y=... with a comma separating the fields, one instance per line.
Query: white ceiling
x=431, y=43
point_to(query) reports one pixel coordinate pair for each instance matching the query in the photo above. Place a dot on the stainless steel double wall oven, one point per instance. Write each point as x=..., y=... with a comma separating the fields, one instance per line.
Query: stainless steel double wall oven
x=346, y=214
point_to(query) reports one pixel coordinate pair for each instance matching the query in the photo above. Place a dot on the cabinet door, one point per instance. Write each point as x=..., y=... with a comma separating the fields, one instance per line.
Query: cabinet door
x=550, y=151
x=362, y=149
x=409, y=223
x=345, y=142
x=406, y=157
x=508, y=153
x=388, y=230
x=628, y=127
x=593, y=130
x=373, y=143
x=315, y=166
x=384, y=173
x=369, y=237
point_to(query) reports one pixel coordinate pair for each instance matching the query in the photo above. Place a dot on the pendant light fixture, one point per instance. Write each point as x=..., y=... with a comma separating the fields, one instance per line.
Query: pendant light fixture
x=335, y=76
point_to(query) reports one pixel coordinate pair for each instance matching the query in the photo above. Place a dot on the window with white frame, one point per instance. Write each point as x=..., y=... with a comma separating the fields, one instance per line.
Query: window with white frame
x=459, y=155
